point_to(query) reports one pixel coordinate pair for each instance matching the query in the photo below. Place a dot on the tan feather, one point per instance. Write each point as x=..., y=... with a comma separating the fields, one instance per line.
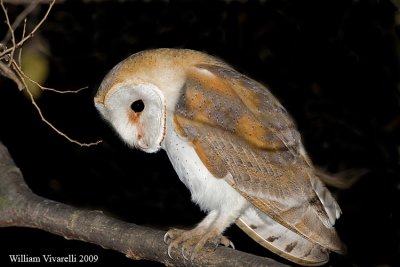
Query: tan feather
x=251, y=139
x=281, y=240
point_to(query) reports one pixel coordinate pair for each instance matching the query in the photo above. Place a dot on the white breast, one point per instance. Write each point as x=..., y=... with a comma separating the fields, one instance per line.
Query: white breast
x=208, y=192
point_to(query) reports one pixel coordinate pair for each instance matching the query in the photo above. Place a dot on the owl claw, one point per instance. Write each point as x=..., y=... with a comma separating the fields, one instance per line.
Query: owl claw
x=183, y=254
x=192, y=242
x=226, y=242
x=166, y=236
x=171, y=245
x=169, y=251
x=170, y=238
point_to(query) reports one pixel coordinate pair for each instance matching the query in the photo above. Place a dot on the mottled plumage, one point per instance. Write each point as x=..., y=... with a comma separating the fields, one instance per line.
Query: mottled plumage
x=233, y=145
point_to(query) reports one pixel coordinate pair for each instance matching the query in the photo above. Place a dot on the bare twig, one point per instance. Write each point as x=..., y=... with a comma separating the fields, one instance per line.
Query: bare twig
x=20, y=73
x=21, y=17
x=52, y=89
x=14, y=72
x=19, y=206
x=19, y=70
x=59, y=91
x=32, y=33
x=25, y=2
x=20, y=49
x=11, y=30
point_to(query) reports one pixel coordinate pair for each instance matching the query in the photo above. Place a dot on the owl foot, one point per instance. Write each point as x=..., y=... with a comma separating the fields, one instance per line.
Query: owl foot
x=192, y=242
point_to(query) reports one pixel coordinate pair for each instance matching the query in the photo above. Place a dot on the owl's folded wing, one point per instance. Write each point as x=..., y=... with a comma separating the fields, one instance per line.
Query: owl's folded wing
x=242, y=133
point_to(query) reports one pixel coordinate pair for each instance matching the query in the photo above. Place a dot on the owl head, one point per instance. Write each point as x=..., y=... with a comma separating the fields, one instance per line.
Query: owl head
x=137, y=113
x=137, y=95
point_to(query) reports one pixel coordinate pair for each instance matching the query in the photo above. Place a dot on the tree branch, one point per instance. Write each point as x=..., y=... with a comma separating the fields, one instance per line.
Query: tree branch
x=19, y=206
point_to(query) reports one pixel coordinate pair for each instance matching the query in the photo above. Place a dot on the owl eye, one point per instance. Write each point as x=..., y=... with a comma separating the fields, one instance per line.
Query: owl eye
x=137, y=106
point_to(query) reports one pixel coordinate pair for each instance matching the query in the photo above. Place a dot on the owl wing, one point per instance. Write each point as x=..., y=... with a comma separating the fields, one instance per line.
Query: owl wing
x=242, y=134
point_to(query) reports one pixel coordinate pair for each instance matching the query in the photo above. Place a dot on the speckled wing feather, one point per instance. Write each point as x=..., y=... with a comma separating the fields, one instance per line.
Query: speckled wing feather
x=243, y=134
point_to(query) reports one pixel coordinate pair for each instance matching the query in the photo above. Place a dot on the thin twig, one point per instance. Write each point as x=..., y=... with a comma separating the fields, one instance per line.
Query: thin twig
x=11, y=54
x=30, y=35
x=59, y=91
x=20, y=18
x=48, y=88
x=19, y=73
x=20, y=49
x=54, y=128
x=14, y=72
x=25, y=2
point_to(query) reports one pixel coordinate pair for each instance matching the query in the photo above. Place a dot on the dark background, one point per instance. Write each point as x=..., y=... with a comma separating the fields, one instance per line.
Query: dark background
x=333, y=64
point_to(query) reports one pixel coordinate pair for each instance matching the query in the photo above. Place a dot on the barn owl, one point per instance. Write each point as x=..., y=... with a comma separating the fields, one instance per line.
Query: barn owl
x=232, y=144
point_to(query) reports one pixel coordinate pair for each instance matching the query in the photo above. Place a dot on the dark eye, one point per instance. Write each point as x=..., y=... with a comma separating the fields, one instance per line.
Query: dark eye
x=137, y=106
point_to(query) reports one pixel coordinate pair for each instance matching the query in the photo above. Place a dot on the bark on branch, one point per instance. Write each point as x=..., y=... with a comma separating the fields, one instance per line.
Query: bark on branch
x=19, y=206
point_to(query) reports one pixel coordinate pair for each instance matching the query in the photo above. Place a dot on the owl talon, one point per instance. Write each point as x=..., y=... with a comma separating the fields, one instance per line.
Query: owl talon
x=193, y=242
x=226, y=242
x=169, y=252
x=183, y=253
x=173, y=239
x=166, y=237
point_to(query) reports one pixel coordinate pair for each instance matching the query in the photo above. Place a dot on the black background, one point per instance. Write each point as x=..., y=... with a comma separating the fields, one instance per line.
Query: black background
x=333, y=64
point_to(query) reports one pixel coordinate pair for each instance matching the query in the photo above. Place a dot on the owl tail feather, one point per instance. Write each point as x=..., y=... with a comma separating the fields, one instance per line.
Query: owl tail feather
x=281, y=240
